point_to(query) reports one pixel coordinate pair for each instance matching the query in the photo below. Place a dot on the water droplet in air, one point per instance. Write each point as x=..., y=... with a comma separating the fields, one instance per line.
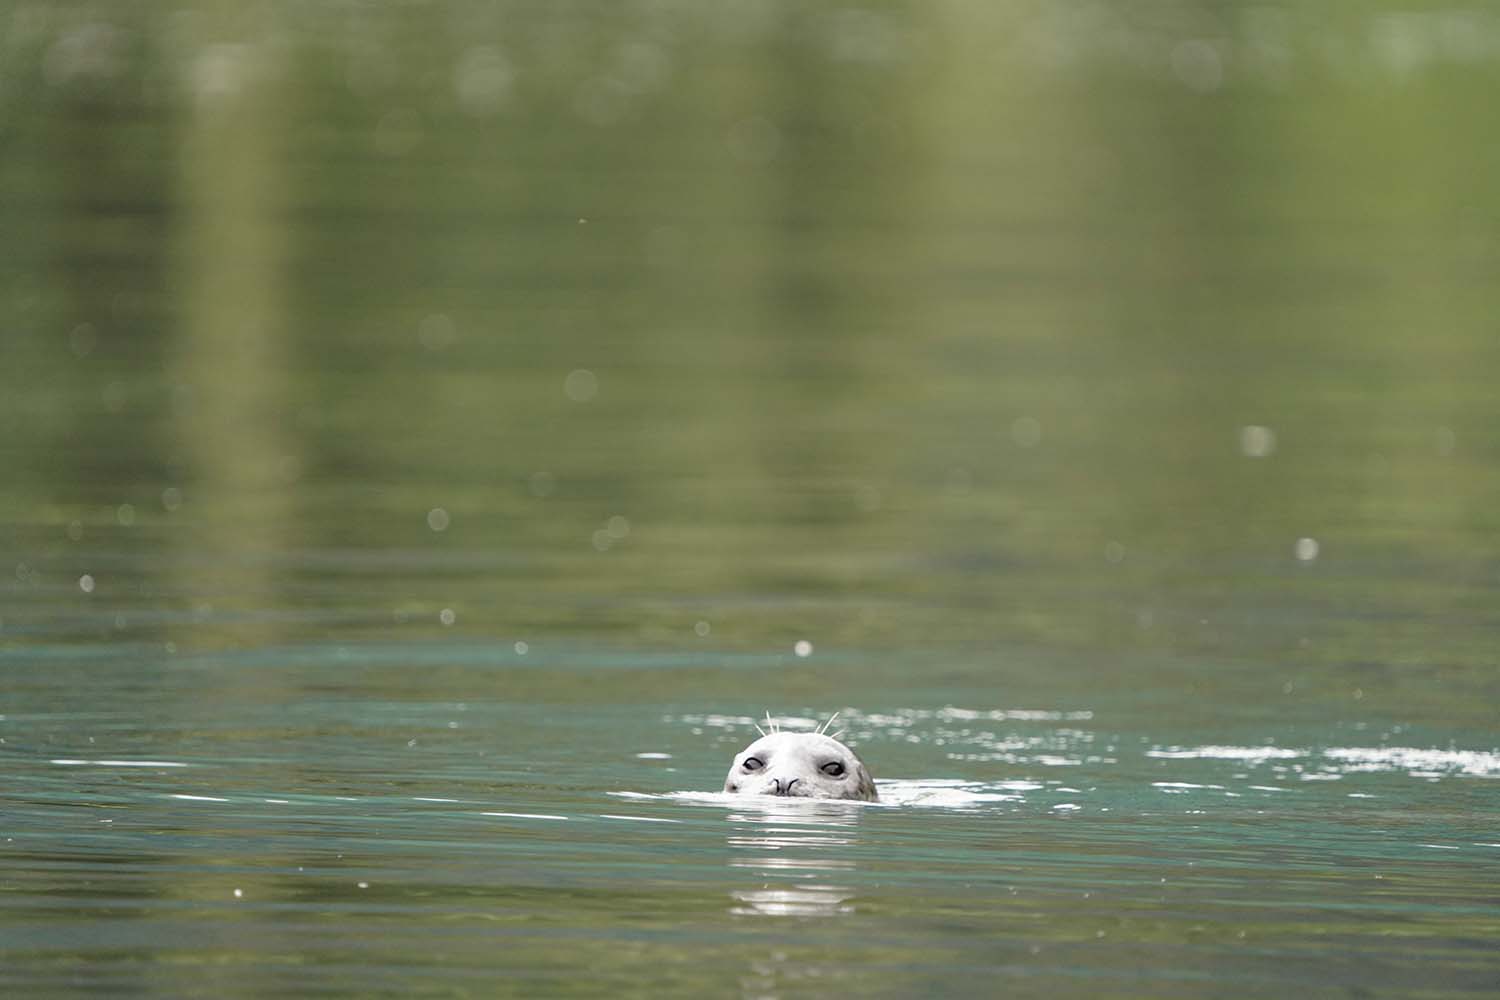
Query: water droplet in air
x=1257, y=441
x=482, y=79
x=581, y=385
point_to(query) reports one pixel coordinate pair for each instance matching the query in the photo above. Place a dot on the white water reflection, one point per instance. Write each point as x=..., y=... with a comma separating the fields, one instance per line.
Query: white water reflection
x=804, y=901
x=1329, y=763
x=953, y=793
x=946, y=793
x=1252, y=755
x=75, y=762
x=795, y=846
x=1418, y=762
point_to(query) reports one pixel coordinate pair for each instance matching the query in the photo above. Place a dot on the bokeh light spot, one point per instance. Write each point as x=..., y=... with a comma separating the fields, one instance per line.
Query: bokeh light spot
x=581, y=385
x=1257, y=441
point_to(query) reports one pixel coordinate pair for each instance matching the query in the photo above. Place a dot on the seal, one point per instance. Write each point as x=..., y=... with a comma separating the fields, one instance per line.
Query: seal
x=800, y=765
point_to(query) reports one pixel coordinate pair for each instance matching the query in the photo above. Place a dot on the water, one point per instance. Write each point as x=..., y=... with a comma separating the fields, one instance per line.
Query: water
x=432, y=435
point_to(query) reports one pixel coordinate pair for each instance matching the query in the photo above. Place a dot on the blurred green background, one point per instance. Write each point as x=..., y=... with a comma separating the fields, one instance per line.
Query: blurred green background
x=1155, y=328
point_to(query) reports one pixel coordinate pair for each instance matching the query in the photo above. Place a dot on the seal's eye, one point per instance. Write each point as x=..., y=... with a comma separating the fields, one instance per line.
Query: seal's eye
x=753, y=764
x=833, y=769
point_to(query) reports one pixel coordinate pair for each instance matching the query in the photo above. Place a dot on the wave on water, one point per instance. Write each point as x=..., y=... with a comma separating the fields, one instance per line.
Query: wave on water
x=948, y=793
x=1334, y=761
x=1418, y=762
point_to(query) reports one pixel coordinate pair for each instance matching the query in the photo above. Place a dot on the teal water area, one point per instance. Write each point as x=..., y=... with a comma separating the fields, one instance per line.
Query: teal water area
x=433, y=435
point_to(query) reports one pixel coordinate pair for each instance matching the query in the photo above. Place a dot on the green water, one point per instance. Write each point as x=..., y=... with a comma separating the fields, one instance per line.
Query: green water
x=429, y=430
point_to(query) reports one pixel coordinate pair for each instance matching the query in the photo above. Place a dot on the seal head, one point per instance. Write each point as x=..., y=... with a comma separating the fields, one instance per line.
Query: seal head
x=800, y=765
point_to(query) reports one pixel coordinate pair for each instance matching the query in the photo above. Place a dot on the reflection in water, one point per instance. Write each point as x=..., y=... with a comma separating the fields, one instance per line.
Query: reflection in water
x=229, y=429
x=820, y=833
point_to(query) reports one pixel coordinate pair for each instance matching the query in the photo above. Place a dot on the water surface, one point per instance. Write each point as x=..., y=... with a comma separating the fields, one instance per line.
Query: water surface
x=434, y=434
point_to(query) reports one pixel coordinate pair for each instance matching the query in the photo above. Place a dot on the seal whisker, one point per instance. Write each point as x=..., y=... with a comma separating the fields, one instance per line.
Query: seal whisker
x=824, y=727
x=840, y=734
x=758, y=729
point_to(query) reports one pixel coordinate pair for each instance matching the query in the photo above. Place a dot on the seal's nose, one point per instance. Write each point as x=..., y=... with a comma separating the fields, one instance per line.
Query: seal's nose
x=785, y=787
